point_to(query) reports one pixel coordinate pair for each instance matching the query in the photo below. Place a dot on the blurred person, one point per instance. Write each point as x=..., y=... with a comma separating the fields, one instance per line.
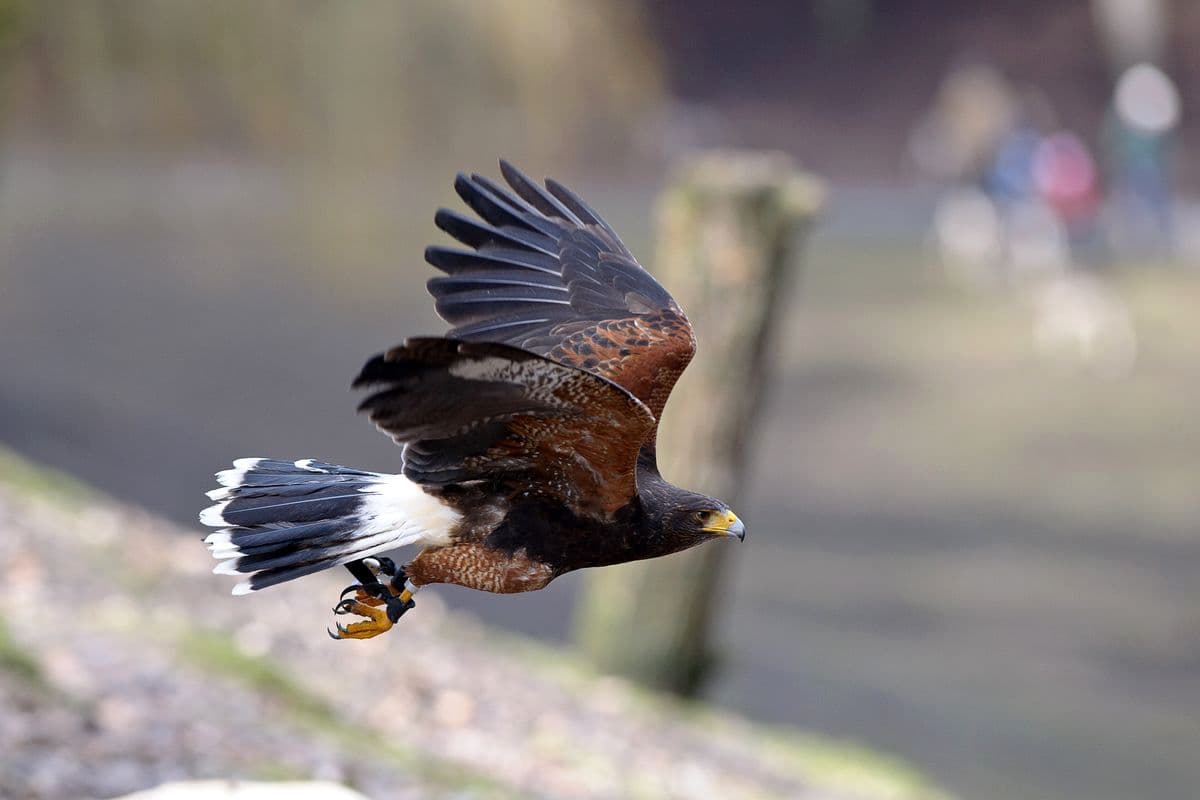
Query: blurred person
x=1009, y=179
x=955, y=143
x=1036, y=243
x=1021, y=214
x=996, y=226
x=1138, y=137
x=1067, y=180
x=974, y=108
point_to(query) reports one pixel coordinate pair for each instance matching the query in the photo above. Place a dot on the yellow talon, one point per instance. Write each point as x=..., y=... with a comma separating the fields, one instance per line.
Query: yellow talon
x=376, y=622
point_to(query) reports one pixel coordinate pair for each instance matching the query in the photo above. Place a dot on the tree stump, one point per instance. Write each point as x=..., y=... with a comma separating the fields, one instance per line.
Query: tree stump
x=729, y=227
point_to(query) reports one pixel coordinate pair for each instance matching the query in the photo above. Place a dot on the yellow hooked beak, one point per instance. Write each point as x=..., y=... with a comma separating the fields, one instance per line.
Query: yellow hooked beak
x=725, y=523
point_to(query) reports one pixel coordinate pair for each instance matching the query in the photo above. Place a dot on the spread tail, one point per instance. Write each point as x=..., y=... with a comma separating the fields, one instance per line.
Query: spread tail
x=281, y=520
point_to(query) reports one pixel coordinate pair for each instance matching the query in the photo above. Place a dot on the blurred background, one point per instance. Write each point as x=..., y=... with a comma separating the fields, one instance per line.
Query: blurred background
x=974, y=518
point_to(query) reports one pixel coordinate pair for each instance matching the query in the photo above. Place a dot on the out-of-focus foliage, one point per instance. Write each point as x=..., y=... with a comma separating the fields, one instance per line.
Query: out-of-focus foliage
x=12, y=14
x=363, y=81
x=359, y=104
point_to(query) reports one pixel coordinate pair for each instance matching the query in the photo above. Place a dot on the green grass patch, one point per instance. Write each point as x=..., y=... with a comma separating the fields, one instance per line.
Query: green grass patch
x=17, y=661
x=31, y=479
x=218, y=653
x=275, y=771
x=848, y=766
x=840, y=766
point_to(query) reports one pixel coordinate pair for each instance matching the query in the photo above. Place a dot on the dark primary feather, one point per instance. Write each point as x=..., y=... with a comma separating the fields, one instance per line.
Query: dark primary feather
x=481, y=411
x=537, y=197
x=580, y=209
x=546, y=273
x=477, y=234
x=493, y=259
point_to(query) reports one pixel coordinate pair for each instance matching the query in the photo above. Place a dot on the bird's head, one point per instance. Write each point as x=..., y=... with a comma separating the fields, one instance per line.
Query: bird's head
x=696, y=518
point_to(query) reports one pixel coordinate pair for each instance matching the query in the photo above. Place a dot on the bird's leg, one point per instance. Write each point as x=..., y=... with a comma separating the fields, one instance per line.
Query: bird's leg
x=370, y=593
x=398, y=585
x=379, y=579
x=370, y=589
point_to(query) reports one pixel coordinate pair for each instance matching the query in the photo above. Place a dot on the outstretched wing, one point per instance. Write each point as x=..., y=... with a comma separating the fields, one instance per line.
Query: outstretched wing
x=470, y=411
x=548, y=275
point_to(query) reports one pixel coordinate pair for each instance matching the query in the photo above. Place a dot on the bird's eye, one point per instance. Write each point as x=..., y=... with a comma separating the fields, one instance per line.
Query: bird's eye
x=700, y=516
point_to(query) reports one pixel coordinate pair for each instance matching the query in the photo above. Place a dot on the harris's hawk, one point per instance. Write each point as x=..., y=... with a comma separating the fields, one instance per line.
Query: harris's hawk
x=528, y=430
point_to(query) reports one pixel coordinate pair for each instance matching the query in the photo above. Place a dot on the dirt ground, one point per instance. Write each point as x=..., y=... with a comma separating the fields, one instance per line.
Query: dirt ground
x=124, y=664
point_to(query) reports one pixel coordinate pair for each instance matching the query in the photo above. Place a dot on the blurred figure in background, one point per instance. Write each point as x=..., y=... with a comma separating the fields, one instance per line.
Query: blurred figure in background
x=1065, y=176
x=975, y=107
x=1138, y=137
x=1000, y=221
x=1035, y=241
x=1022, y=211
x=955, y=143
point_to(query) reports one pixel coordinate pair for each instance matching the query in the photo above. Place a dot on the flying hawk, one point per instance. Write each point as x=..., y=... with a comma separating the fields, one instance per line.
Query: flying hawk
x=528, y=431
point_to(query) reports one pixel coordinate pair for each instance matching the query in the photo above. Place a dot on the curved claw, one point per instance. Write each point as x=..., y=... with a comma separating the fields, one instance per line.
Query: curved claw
x=371, y=594
x=375, y=622
x=343, y=632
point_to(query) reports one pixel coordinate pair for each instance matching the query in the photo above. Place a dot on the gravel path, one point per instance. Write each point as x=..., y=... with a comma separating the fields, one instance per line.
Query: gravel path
x=126, y=664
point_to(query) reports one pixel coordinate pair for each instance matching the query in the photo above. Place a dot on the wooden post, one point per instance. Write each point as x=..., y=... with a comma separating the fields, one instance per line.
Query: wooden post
x=729, y=226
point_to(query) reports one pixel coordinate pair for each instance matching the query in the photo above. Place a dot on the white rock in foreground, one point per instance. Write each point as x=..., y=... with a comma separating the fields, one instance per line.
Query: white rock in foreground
x=247, y=790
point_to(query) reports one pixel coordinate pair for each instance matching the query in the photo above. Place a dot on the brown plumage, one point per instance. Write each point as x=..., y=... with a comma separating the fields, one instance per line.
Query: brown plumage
x=469, y=411
x=528, y=431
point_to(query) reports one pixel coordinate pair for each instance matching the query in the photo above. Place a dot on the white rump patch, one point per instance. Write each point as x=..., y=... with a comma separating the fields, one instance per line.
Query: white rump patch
x=395, y=503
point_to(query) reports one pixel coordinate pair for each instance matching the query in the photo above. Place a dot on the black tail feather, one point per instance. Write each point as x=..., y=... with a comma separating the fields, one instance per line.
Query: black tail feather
x=281, y=520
